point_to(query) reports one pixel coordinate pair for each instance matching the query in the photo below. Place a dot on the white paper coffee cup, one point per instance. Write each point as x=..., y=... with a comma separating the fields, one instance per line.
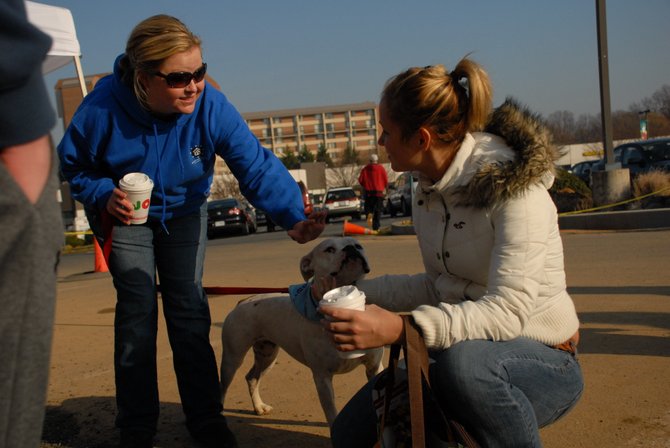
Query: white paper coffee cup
x=348, y=297
x=138, y=187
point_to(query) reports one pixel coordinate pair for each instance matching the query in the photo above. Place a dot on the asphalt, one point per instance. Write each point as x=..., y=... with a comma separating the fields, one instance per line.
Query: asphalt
x=618, y=279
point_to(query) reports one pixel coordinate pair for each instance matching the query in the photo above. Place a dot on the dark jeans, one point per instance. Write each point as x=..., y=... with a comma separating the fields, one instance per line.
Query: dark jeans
x=374, y=204
x=502, y=391
x=138, y=251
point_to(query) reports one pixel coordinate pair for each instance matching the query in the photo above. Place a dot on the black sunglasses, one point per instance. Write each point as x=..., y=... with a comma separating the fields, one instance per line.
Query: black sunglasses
x=178, y=80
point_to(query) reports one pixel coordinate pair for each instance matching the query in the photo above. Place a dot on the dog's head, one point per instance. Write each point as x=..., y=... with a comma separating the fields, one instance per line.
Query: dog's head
x=342, y=258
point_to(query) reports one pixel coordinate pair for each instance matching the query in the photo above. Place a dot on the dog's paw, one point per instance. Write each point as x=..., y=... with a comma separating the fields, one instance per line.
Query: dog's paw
x=263, y=409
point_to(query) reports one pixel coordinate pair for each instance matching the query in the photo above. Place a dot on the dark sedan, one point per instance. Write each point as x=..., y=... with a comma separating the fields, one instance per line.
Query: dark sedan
x=229, y=215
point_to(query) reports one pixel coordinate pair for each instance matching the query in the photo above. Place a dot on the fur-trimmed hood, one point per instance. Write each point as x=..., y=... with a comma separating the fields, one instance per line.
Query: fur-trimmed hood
x=523, y=155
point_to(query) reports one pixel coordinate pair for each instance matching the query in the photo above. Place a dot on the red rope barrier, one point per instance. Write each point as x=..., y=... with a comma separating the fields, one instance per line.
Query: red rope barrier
x=220, y=290
x=231, y=290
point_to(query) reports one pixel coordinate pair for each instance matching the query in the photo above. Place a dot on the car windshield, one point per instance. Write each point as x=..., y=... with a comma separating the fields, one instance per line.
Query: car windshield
x=341, y=195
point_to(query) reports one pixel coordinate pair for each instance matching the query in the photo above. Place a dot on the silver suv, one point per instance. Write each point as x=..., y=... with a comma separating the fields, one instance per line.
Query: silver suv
x=342, y=201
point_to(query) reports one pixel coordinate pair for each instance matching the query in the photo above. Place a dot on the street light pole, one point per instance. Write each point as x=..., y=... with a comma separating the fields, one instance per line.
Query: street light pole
x=603, y=68
x=613, y=184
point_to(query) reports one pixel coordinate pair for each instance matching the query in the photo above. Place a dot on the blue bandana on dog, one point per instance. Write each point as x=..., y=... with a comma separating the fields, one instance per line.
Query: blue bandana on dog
x=301, y=296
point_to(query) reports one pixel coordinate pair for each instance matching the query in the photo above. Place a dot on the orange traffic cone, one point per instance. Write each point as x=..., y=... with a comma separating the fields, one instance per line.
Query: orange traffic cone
x=100, y=263
x=353, y=229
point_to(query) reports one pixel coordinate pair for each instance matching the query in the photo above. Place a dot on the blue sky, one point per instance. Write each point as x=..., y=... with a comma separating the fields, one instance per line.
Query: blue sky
x=300, y=53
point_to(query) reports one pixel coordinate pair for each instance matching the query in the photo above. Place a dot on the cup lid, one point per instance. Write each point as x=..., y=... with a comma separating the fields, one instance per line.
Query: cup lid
x=136, y=181
x=342, y=294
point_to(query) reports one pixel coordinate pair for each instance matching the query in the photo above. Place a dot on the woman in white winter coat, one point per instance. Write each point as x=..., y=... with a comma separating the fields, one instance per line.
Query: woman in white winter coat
x=492, y=305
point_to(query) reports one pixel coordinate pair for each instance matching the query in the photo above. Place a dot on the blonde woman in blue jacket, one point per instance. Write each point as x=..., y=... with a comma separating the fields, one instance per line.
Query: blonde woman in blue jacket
x=156, y=114
x=492, y=303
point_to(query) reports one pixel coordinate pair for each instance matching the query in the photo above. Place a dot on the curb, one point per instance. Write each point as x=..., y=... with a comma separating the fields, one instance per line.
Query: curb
x=658, y=218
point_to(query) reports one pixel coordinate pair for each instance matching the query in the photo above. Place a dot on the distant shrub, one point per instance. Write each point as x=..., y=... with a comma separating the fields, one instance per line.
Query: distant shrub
x=74, y=241
x=652, y=182
x=570, y=193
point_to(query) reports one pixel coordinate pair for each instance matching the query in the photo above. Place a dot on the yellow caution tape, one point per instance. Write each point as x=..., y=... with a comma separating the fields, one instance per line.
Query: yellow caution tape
x=576, y=212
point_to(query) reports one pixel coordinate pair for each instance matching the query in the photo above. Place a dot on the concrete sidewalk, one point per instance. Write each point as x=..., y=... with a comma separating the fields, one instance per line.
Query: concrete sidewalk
x=619, y=281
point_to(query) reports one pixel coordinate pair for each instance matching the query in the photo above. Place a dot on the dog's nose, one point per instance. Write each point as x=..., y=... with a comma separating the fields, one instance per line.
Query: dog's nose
x=354, y=252
x=351, y=250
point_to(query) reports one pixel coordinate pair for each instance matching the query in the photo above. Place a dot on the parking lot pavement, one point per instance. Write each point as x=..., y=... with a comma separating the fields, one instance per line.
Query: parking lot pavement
x=619, y=282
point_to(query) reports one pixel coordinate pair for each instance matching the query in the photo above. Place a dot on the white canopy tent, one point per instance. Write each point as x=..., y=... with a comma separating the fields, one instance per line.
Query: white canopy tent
x=58, y=23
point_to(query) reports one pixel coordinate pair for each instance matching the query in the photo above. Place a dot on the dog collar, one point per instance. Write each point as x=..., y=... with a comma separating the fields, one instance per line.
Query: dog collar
x=301, y=296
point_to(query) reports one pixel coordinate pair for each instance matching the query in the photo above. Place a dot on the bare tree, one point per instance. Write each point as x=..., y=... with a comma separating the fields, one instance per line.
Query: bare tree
x=343, y=176
x=660, y=101
x=626, y=125
x=562, y=126
x=225, y=186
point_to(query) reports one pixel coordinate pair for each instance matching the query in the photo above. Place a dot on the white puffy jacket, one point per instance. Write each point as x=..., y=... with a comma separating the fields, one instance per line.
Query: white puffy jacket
x=489, y=238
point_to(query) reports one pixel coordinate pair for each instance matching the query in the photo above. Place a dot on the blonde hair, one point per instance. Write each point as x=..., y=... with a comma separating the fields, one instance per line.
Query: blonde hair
x=151, y=42
x=450, y=104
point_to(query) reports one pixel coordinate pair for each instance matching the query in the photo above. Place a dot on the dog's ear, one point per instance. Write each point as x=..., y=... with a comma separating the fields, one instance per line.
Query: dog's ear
x=306, y=268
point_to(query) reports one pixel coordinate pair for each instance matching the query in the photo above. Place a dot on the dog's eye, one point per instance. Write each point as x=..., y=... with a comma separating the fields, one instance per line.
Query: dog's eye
x=330, y=250
x=358, y=246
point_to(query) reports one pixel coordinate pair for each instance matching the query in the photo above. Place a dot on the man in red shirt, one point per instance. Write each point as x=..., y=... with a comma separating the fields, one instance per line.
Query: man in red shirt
x=374, y=180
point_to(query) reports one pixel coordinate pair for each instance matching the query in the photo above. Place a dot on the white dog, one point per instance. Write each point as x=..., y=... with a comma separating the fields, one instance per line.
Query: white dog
x=269, y=322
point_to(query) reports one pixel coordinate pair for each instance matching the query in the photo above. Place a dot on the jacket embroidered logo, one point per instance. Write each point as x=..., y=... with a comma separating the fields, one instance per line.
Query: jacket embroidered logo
x=196, y=152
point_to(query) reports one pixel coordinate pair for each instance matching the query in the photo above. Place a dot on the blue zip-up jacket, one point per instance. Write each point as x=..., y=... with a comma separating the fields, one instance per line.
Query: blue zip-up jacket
x=111, y=135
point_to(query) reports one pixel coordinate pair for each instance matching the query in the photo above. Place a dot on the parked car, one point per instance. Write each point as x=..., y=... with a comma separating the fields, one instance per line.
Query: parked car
x=342, y=201
x=659, y=150
x=230, y=215
x=399, y=196
x=263, y=219
x=641, y=156
x=583, y=170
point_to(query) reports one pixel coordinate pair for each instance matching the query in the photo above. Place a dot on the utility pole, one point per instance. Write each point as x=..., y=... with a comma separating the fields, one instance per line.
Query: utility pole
x=613, y=184
x=603, y=68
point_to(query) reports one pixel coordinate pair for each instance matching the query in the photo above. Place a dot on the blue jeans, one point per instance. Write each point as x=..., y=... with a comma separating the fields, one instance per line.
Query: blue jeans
x=138, y=252
x=501, y=391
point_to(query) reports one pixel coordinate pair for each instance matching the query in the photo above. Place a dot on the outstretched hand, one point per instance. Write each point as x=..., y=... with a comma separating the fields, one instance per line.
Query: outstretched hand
x=360, y=330
x=309, y=229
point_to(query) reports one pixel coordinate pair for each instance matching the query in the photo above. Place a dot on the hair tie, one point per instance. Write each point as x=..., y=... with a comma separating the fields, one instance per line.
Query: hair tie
x=461, y=81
